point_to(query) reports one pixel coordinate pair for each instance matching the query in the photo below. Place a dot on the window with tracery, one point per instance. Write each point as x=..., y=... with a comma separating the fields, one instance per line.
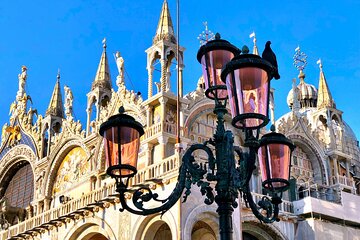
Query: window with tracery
x=301, y=165
x=20, y=190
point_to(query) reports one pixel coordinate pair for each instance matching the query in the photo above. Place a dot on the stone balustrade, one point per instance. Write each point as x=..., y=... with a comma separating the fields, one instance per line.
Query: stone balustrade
x=55, y=216
x=158, y=128
x=157, y=170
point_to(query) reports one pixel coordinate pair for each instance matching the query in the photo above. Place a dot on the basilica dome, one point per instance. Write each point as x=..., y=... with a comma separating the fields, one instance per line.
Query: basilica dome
x=306, y=94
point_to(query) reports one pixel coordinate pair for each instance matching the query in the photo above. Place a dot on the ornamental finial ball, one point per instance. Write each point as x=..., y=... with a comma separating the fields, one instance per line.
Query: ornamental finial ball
x=121, y=110
x=245, y=49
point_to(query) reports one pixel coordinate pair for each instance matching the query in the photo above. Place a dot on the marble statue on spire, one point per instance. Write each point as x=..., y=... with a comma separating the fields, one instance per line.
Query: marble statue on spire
x=120, y=66
x=68, y=102
x=22, y=81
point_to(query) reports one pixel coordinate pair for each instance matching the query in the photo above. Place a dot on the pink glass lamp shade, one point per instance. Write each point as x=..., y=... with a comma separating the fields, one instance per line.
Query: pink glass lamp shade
x=121, y=141
x=213, y=56
x=247, y=78
x=274, y=156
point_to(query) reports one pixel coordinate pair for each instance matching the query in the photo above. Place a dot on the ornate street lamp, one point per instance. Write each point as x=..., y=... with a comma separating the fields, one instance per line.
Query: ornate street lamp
x=121, y=141
x=213, y=58
x=247, y=78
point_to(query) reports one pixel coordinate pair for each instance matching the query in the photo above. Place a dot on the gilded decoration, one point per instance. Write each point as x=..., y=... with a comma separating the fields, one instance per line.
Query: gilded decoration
x=15, y=135
x=73, y=167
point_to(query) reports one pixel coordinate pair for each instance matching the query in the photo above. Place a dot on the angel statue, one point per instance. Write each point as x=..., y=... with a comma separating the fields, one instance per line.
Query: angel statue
x=15, y=135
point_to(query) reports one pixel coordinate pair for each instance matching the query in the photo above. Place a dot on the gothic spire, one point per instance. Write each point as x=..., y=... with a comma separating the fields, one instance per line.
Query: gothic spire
x=324, y=96
x=102, y=78
x=165, y=29
x=56, y=105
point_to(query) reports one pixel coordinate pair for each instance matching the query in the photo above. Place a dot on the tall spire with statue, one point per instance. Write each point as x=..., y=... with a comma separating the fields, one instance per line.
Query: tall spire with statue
x=164, y=51
x=55, y=107
x=102, y=78
x=324, y=96
x=165, y=29
x=101, y=89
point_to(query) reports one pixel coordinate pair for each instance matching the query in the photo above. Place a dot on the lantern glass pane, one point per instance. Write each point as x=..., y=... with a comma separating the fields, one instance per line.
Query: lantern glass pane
x=274, y=162
x=212, y=62
x=129, y=147
x=248, y=93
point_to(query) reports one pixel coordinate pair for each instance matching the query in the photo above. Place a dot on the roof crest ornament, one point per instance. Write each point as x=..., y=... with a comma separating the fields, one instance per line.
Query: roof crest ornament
x=58, y=75
x=104, y=43
x=206, y=35
x=319, y=62
x=300, y=59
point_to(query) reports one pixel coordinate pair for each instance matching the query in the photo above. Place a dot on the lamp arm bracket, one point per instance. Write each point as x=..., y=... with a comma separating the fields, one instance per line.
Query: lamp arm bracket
x=246, y=167
x=196, y=172
x=266, y=210
x=190, y=173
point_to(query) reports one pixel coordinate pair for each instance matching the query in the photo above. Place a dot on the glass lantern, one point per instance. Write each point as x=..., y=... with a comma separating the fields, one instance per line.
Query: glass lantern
x=121, y=141
x=247, y=78
x=274, y=156
x=213, y=56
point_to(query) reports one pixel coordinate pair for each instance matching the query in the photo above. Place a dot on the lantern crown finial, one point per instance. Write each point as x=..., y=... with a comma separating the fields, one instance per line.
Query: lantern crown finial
x=245, y=49
x=272, y=128
x=121, y=110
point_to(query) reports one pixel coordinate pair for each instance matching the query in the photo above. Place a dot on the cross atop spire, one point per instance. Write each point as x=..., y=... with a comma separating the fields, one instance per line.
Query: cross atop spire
x=206, y=35
x=165, y=29
x=324, y=96
x=300, y=62
x=56, y=105
x=102, y=78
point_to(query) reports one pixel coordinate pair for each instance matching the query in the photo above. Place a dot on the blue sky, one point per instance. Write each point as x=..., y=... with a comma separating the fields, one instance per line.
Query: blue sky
x=47, y=35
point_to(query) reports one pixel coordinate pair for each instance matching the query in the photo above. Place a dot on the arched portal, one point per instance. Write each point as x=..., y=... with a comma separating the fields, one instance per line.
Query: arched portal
x=158, y=230
x=94, y=236
x=253, y=230
x=248, y=236
x=202, y=231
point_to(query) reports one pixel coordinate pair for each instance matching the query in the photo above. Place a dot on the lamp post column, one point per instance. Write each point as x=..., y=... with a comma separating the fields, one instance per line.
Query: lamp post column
x=226, y=193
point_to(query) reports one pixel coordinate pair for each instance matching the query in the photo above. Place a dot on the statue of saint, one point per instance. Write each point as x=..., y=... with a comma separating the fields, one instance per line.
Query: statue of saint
x=120, y=65
x=22, y=81
x=68, y=102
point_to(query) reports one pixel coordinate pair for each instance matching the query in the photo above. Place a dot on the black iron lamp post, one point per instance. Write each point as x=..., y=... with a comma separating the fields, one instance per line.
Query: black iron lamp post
x=244, y=80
